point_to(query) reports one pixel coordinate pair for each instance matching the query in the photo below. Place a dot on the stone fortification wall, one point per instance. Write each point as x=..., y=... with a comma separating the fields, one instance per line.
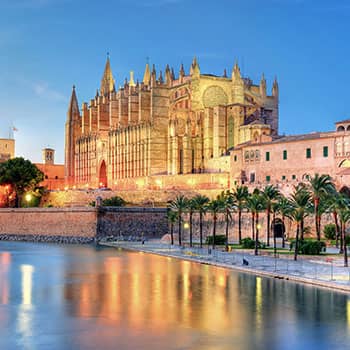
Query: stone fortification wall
x=136, y=222
x=80, y=225
x=49, y=222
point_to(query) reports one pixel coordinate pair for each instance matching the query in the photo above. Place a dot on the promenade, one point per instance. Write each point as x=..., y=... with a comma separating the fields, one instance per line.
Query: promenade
x=326, y=272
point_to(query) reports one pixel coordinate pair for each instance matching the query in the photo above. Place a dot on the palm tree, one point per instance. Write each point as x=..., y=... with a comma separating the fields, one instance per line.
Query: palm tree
x=228, y=206
x=172, y=216
x=285, y=209
x=343, y=213
x=200, y=204
x=334, y=201
x=215, y=206
x=240, y=195
x=255, y=203
x=191, y=207
x=320, y=186
x=300, y=201
x=270, y=195
x=179, y=205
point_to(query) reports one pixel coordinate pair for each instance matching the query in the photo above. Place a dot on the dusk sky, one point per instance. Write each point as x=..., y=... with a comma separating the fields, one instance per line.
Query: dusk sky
x=46, y=46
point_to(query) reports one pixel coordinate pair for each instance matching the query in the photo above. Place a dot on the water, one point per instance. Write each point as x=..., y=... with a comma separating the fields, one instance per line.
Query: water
x=80, y=297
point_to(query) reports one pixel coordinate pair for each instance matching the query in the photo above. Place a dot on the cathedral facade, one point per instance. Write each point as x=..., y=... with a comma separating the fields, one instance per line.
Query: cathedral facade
x=165, y=126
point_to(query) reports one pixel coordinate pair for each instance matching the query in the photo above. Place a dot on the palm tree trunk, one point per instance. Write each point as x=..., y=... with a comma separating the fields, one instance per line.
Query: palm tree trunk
x=239, y=226
x=268, y=227
x=172, y=233
x=302, y=229
x=179, y=229
x=296, y=243
x=227, y=223
x=274, y=235
x=200, y=229
x=345, y=247
x=214, y=230
x=316, y=202
x=341, y=251
x=335, y=216
x=191, y=215
x=256, y=234
x=283, y=232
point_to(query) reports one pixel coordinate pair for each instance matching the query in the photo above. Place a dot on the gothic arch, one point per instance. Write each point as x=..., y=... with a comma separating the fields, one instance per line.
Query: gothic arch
x=345, y=163
x=102, y=175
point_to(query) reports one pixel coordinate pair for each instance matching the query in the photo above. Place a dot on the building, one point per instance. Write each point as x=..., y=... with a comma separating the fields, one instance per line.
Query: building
x=7, y=149
x=166, y=132
x=288, y=160
x=53, y=173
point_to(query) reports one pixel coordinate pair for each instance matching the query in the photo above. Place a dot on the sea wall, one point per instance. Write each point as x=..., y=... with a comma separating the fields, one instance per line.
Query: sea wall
x=80, y=225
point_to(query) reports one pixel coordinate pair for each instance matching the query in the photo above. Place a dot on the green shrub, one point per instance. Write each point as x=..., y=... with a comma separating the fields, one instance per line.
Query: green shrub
x=114, y=202
x=248, y=243
x=219, y=239
x=329, y=231
x=309, y=247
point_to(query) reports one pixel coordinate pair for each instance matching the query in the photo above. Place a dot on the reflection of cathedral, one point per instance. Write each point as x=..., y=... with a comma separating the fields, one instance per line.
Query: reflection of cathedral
x=164, y=126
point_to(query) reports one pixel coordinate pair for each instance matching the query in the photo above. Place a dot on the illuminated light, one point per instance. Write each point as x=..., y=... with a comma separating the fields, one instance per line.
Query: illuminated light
x=28, y=197
x=74, y=187
x=186, y=225
x=27, y=285
x=86, y=185
x=258, y=226
x=158, y=182
x=348, y=312
x=101, y=183
x=66, y=188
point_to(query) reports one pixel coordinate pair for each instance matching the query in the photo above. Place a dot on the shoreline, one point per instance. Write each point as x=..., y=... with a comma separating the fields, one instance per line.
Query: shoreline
x=174, y=252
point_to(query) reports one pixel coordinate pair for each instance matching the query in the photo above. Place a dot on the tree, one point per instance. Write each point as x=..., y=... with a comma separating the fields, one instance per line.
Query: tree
x=344, y=217
x=240, y=195
x=320, y=186
x=179, y=205
x=22, y=175
x=228, y=206
x=191, y=207
x=285, y=209
x=300, y=202
x=270, y=194
x=215, y=206
x=172, y=216
x=255, y=204
x=200, y=204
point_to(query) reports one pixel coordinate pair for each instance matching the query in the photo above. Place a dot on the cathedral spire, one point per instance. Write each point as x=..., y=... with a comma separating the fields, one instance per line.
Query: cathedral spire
x=153, y=76
x=195, y=71
x=107, y=80
x=132, y=82
x=147, y=75
x=73, y=109
x=168, y=76
x=275, y=90
x=236, y=73
x=262, y=86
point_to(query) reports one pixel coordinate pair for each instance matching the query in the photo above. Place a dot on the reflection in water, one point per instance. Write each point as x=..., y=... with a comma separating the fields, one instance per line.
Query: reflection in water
x=84, y=298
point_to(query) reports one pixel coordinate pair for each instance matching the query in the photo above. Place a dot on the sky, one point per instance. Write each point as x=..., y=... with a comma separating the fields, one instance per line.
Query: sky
x=46, y=46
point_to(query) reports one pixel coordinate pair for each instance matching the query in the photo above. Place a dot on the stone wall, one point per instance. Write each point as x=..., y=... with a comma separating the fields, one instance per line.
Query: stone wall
x=80, y=225
x=136, y=222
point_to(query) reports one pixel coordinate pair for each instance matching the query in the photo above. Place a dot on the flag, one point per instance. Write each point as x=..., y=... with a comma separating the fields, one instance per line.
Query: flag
x=14, y=128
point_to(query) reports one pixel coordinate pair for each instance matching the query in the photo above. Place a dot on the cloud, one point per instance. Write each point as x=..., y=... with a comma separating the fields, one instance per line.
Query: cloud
x=42, y=90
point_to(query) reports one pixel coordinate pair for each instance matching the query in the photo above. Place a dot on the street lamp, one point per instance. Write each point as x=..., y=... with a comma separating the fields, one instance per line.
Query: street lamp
x=28, y=198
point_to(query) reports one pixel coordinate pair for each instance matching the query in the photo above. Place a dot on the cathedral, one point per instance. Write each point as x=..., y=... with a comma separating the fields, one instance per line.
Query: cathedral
x=166, y=126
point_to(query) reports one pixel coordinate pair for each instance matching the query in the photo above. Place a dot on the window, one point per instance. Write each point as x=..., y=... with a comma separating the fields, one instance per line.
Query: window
x=268, y=178
x=267, y=156
x=283, y=177
x=308, y=153
x=284, y=154
x=235, y=158
x=252, y=177
x=325, y=151
x=293, y=177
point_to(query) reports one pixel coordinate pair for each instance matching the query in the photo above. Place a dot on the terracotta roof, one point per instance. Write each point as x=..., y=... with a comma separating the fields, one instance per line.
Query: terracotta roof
x=343, y=121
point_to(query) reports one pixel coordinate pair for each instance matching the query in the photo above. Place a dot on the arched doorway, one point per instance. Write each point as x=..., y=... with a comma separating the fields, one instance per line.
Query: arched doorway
x=279, y=228
x=102, y=179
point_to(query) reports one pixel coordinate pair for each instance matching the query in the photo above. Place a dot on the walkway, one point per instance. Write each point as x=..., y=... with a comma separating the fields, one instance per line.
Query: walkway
x=328, y=273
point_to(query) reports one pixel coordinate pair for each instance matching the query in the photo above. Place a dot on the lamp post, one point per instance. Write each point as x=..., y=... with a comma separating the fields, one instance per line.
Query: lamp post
x=258, y=227
x=28, y=198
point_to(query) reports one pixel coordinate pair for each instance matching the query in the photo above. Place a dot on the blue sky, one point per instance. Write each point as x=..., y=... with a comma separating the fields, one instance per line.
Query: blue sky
x=46, y=46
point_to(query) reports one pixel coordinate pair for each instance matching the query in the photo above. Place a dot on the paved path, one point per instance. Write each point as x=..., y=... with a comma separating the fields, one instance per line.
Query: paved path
x=328, y=272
